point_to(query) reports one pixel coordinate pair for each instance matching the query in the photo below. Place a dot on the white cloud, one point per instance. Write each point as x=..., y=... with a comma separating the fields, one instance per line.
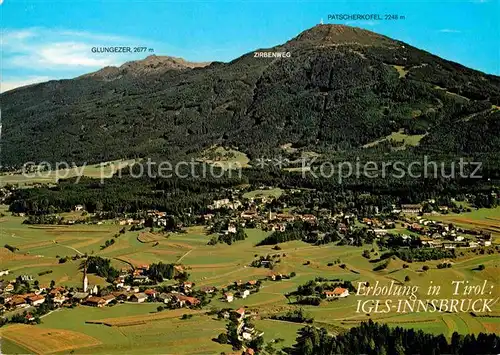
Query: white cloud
x=448, y=30
x=18, y=82
x=41, y=50
x=11, y=37
x=62, y=55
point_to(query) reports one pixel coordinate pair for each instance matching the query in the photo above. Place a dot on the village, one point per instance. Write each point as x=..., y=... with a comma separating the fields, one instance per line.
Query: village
x=278, y=218
x=267, y=211
x=226, y=217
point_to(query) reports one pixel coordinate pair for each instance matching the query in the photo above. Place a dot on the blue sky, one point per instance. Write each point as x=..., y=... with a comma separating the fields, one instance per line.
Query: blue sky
x=43, y=40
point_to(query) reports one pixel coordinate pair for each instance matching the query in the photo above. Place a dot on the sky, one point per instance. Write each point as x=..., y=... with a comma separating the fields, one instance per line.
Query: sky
x=43, y=40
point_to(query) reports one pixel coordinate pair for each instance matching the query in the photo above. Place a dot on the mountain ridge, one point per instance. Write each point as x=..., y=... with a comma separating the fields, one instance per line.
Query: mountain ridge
x=151, y=65
x=340, y=89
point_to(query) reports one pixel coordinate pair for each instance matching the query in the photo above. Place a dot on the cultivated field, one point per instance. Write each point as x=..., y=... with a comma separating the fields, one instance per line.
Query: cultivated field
x=46, y=340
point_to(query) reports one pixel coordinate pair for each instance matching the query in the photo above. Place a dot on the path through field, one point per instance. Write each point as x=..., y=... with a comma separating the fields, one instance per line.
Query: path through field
x=67, y=246
x=186, y=254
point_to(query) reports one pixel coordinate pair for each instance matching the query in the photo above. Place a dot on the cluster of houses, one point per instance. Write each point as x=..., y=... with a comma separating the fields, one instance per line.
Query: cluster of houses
x=261, y=217
x=442, y=235
x=415, y=209
x=174, y=299
x=62, y=296
x=10, y=301
x=379, y=227
x=241, y=290
x=245, y=330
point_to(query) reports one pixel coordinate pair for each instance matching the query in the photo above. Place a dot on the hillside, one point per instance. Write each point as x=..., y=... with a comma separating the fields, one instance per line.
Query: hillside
x=340, y=89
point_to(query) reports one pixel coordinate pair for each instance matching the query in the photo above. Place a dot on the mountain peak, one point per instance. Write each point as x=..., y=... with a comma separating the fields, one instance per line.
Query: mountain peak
x=340, y=34
x=152, y=64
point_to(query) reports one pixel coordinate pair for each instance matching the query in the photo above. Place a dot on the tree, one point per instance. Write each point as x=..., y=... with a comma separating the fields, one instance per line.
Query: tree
x=307, y=347
x=222, y=338
x=425, y=268
x=256, y=343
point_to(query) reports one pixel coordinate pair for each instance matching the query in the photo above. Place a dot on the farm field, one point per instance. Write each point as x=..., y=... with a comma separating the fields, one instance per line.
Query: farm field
x=219, y=265
x=154, y=335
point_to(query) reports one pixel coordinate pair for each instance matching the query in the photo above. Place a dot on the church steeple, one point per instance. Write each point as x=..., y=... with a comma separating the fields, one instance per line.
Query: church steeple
x=85, y=278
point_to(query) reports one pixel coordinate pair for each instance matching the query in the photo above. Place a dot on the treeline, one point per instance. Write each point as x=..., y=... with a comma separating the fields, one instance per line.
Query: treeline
x=229, y=238
x=101, y=267
x=11, y=248
x=160, y=271
x=420, y=254
x=282, y=237
x=178, y=196
x=375, y=339
x=123, y=195
x=296, y=316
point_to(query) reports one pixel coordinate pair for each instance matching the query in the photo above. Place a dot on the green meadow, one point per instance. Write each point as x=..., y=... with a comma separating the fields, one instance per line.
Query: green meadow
x=101, y=170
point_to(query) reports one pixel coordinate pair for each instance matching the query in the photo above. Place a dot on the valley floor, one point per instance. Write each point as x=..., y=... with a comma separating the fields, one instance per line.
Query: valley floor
x=64, y=330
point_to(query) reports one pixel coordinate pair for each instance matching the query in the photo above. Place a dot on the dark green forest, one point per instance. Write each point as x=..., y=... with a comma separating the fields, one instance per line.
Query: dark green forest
x=178, y=196
x=376, y=339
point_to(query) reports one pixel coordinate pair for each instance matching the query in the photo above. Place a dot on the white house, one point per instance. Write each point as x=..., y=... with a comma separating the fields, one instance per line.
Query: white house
x=338, y=292
x=231, y=228
x=229, y=297
x=36, y=300
x=138, y=297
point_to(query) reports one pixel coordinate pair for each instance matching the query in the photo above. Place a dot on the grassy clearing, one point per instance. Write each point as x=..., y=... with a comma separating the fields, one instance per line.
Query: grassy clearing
x=401, y=70
x=276, y=192
x=9, y=347
x=407, y=140
x=225, y=158
x=104, y=170
x=274, y=329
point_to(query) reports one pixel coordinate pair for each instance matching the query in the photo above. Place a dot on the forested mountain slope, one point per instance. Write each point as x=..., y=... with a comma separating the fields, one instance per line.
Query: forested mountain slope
x=340, y=88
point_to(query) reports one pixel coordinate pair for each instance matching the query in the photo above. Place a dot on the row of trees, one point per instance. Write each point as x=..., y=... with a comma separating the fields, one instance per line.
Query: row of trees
x=375, y=339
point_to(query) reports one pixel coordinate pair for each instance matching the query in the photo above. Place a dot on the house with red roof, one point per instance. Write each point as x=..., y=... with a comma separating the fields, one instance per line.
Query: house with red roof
x=35, y=300
x=338, y=292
